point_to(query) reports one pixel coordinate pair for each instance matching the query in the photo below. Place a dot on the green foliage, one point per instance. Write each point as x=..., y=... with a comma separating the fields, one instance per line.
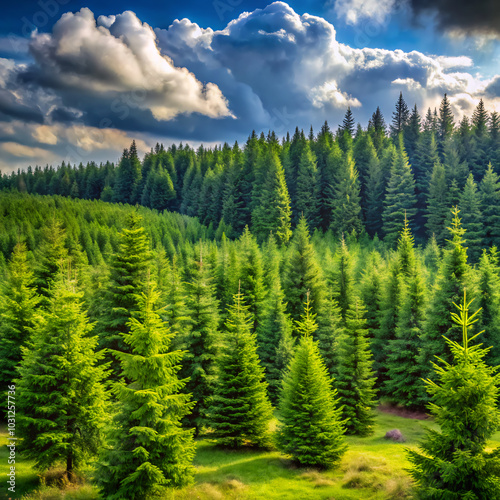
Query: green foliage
x=147, y=448
x=272, y=213
x=240, y=410
x=400, y=196
x=355, y=378
x=454, y=276
x=126, y=281
x=61, y=401
x=200, y=340
x=453, y=463
x=310, y=430
x=17, y=313
x=472, y=219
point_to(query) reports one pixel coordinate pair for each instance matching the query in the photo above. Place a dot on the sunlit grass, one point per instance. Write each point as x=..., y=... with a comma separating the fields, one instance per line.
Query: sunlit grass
x=372, y=469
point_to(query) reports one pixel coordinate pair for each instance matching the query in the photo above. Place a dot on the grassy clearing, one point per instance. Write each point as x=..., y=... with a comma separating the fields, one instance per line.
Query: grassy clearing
x=372, y=469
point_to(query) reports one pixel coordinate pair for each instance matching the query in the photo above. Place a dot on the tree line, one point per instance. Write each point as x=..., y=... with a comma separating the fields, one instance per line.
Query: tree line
x=354, y=180
x=211, y=335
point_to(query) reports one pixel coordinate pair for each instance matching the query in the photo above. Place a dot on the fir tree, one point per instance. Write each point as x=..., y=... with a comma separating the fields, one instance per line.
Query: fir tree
x=147, y=447
x=355, y=378
x=472, y=220
x=272, y=213
x=345, y=199
x=453, y=462
x=348, y=122
x=403, y=384
x=454, y=276
x=17, y=314
x=201, y=341
x=61, y=399
x=490, y=207
x=445, y=119
x=126, y=281
x=307, y=194
x=240, y=411
x=400, y=117
x=400, y=195
x=437, y=206
x=311, y=430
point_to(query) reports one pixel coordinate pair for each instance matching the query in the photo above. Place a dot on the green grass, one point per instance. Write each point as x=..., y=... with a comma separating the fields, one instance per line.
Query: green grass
x=372, y=469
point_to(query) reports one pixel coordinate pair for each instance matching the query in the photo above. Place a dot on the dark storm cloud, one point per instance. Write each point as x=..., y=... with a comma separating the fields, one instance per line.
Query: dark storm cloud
x=480, y=16
x=10, y=109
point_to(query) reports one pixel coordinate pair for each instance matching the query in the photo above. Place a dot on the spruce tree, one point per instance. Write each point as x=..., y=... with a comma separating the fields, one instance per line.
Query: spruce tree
x=437, y=207
x=310, y=430
x=272, y=213
x=345, y=199
x=51, y=255
x=147, y=448
x=307, y=194
x=453, y=462
x=446, y=119
x=200, y=340
x=472, y=219
x=454, y=275
x=17, y=313
x=400, y=117
x=355, y=379
x=240, y=410
x=61, y=403
x=490, y=207
x=274, y=333
x=403, y=384
x=128, y=271
x=400, y=196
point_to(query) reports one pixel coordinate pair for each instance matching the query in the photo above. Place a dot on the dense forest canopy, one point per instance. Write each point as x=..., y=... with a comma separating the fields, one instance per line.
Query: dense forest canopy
x=313, y=275
x=354, y=180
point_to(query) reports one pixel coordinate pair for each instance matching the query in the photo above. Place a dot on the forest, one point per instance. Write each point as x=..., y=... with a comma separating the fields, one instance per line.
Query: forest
x=264, y=297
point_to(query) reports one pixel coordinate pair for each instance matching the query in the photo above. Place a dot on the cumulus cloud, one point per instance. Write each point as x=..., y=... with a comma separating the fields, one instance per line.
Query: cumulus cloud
x=353, y=11
x=96, y=84
x=119, y=54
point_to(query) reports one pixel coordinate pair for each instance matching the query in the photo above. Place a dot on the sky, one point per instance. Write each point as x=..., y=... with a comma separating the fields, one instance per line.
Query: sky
x=81, y=79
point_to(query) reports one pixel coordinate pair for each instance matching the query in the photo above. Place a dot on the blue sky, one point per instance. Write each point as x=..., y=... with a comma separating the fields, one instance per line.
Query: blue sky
x=80, y=79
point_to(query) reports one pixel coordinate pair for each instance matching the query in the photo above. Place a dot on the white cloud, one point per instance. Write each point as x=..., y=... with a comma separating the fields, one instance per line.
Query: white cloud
x=353, y=11
x=119, y=54
x=329, y=93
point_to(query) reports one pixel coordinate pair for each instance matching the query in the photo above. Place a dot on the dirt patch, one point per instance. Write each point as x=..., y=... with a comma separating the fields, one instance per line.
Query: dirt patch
x=403, y=412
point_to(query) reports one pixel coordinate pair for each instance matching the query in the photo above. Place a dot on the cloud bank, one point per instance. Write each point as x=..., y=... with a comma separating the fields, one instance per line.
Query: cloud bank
x=94, y=84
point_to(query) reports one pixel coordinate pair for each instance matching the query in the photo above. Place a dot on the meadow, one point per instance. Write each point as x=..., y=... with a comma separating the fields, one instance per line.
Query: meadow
x=372, y=469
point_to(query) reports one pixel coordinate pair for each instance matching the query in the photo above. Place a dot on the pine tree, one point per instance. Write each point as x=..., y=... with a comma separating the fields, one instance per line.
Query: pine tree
x=52, y=254
x=201, y=341
x=128, y=176
x=403, y=383
x=274, y=333
x=345, y=199
x=400, y=117
x=17, y=314
x=453, y=462
x=355, y=377
x=240, y=411
x=454, y=276
x=412, y=134
x=348, y=122
x=61, y=403
x=328, y=179
x=437, y=207
x=307, y=194
x=472, y=220
x=251, y=277
x=374, y=198
x=147, y=447
x=400, y=196
x=489, y=302
x=311, y=430
x=126, y=281
x=377, y=129
x=490, y=207
x=272, y=214
x=446, y=119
